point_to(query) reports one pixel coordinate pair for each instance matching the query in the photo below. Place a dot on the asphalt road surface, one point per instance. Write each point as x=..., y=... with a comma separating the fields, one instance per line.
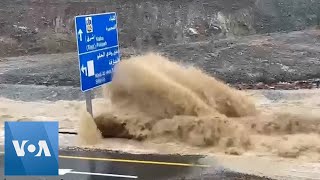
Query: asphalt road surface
x=77, y=164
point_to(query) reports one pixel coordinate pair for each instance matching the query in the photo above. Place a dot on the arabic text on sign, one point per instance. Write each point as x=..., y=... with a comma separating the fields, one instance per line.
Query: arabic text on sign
x=107, y=54
x=112, y=18
x=89, y=39
x=113, y=61
x=111, y=28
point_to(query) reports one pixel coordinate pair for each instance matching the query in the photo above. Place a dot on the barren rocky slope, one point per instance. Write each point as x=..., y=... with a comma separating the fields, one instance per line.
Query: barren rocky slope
x=47, y=26
x=260, y=58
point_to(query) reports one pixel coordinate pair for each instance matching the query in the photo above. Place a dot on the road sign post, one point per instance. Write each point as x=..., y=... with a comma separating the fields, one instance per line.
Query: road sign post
x=98, y=51
x=88, y=95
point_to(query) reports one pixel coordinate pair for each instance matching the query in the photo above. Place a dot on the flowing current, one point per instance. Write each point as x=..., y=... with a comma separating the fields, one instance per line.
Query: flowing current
x=154, y=99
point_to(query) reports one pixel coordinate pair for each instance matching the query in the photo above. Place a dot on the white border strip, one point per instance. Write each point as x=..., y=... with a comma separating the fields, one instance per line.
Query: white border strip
x=97, y=14
x=101, y=174
x=70, y=171
x=98, y=50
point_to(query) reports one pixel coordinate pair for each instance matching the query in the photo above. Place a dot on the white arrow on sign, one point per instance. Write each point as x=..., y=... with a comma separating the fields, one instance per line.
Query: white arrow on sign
x=80, y=32
x=84, y=70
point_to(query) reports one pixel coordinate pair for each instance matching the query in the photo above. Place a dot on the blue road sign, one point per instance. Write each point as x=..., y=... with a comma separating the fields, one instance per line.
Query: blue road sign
x=98, y=48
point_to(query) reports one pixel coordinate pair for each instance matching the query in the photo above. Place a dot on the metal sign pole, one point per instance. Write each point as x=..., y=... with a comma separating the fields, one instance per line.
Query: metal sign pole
x=88, y=95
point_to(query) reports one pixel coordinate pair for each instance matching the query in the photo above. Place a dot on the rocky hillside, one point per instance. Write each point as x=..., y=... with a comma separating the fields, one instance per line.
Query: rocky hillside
x=47, y=26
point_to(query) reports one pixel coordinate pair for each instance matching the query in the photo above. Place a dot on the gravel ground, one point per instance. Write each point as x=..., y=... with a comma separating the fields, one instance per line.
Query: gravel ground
x=268, y=59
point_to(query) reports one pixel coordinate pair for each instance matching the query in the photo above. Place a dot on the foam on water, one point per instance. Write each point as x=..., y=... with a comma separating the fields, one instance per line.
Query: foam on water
x=153, y=99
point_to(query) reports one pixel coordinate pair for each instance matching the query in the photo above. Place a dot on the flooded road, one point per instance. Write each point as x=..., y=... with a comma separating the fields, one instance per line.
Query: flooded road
x=27, y=101
x=95, y=165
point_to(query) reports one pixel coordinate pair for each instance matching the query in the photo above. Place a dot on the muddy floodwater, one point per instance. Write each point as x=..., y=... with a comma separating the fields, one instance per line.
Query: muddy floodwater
x=153, y=109
x=173, y=90
x=276, y=130
x=260, y=162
